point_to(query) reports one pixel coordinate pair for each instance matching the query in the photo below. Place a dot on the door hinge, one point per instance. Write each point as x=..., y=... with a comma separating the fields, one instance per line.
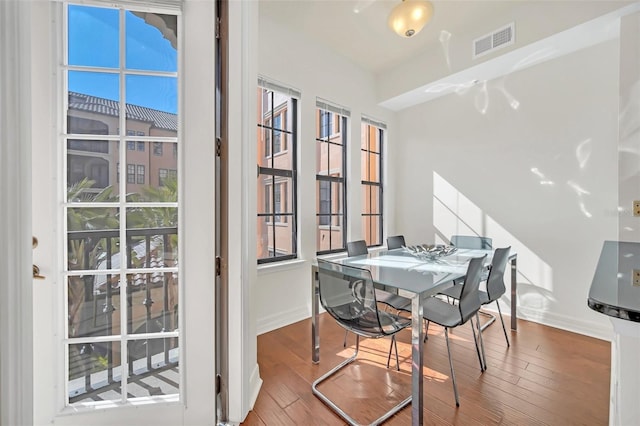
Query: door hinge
x=218, y=383
x=218, y=28
x=218, y=267
x=218, y=147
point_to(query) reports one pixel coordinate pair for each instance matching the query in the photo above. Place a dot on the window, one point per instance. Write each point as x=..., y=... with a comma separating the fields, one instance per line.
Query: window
x=162, y=176
x=277, y=134
x=131, y=173
x=371, y=171
x=331, y=183
x=120, y=77
x=276, y=197
x=275, y=142
x=267, y=138
x=140, y=178
x=157, y=148
x=325, y=123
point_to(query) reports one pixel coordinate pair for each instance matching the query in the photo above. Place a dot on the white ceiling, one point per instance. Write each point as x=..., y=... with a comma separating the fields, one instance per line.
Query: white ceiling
x=365, y=36
x=366, y=39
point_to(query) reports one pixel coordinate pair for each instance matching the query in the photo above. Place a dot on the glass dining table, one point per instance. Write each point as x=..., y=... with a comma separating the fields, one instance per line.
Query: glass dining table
x=417, y=278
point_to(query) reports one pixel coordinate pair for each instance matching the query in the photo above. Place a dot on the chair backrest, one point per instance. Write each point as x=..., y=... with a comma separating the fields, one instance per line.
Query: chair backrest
x=471, y=242
x=395, y=242
x=357, y=248
x=470, y=296
x=348, y=295
x=495, y=281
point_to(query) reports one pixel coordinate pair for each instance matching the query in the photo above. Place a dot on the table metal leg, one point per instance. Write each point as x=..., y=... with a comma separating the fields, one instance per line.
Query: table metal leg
x=417, y=352
x=514, y=293
x=315, y=323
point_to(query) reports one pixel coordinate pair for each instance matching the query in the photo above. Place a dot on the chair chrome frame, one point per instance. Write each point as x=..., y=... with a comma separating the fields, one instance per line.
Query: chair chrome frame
x=373, y=331
x=350, y=420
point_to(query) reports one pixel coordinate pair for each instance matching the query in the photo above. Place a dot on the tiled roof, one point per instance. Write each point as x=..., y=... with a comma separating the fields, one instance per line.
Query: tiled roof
x=160, y=119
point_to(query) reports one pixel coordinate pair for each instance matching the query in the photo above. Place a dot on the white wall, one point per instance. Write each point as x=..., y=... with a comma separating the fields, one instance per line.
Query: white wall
x=531, y=160
x=282, y=294
x=629, y=127
x=533, y=21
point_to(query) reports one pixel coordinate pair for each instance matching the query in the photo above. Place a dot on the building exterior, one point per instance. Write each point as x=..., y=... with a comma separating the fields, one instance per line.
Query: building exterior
x=148, y=163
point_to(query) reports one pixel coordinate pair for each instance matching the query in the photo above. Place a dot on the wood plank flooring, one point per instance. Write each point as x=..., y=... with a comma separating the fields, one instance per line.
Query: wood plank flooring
x=547, y=377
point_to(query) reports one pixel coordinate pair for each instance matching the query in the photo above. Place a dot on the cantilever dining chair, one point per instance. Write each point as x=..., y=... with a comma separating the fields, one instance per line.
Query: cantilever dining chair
x=495, y=285
x=475, y=242
x=395, y=301
x=397, y=241
x=348, y=294
x=358, y=248
x=450, y=316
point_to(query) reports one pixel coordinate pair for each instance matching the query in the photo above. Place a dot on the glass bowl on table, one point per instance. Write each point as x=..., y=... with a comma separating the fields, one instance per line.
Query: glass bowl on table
x=430, y=251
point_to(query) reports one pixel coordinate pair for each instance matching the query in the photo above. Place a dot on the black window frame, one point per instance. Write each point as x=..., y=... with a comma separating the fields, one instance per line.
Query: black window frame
x=274, y=175
x=372, y=184
x=324, y=135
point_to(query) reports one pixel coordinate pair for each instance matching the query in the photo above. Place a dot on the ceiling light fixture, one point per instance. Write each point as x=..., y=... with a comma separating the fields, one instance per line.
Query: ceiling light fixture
x=410, y=16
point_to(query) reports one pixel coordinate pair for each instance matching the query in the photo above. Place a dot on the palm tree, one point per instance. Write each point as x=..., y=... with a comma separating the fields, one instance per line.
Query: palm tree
x=84, y=252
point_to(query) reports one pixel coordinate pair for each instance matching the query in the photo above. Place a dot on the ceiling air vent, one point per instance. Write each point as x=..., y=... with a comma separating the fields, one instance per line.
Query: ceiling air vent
x=497, y=39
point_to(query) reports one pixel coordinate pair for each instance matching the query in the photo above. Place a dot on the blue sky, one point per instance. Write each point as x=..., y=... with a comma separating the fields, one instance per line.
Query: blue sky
x=94, y=42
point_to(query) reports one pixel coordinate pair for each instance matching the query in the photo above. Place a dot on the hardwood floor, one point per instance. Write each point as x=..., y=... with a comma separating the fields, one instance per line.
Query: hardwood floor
x=547, y=377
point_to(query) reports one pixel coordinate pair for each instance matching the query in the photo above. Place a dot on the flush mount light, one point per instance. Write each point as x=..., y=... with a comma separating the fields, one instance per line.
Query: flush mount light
x=410, y=16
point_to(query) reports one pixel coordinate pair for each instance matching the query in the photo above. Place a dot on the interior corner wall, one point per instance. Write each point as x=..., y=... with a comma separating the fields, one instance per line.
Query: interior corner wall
x=531, y=160
x=629, y=126
x=282, y=294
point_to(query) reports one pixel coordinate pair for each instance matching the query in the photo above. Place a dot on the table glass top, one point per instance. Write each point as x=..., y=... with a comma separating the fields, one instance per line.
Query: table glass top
x=399, y=268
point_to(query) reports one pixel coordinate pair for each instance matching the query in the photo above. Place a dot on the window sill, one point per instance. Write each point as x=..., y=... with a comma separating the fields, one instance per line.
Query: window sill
x=287, y=265
x=332, y=256
x=281, y=224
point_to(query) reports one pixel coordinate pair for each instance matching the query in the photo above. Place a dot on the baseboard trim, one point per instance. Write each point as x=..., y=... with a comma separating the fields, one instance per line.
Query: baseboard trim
x=594, y=329
x=598, y=330
x=281, y=319
x=255, y=384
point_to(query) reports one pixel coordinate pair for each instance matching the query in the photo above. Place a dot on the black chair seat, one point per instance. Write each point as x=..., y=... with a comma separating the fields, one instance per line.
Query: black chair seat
x=397, y=302
x=455, y=291
x=441, y=312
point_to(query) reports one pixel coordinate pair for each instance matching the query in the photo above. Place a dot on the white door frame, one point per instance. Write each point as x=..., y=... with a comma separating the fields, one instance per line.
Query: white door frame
x=26, y=96
x=16, y=351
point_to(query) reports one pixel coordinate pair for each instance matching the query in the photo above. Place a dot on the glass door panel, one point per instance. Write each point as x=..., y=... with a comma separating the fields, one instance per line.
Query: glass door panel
x=121, y=208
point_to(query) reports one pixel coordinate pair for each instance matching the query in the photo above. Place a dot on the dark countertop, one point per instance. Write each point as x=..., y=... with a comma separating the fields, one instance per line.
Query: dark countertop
x=612, y=291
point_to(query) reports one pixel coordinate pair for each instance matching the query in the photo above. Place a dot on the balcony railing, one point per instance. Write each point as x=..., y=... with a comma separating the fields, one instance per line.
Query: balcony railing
x=94, y=310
